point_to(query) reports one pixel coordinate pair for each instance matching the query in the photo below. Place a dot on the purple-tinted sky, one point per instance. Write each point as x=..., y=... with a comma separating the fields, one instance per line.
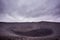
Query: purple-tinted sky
x=29, y=10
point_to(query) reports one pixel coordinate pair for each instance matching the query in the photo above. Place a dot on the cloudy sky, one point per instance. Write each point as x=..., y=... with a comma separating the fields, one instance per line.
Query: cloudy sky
x=29, y=10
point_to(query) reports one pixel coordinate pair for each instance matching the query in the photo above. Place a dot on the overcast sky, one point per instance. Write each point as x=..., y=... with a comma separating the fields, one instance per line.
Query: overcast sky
x=29, y=10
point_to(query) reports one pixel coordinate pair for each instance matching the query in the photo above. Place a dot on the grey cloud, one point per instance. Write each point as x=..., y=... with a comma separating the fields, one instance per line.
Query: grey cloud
x=29, y=10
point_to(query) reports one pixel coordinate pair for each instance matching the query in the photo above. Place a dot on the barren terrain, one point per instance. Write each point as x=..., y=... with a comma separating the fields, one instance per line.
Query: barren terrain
x=29, y=30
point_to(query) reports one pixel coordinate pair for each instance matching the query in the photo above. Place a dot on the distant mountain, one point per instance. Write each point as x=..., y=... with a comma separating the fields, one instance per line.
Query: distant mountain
x=32, y=22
